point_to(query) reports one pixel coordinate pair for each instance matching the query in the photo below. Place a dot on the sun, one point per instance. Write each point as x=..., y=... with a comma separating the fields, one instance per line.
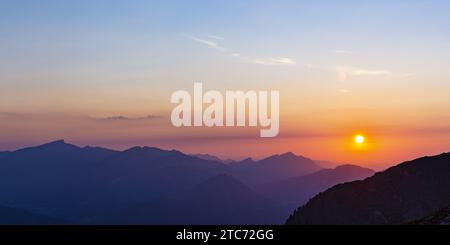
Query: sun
x=359, y=139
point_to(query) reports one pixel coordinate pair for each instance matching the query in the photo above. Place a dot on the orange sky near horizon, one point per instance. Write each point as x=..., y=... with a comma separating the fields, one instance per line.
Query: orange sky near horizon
x=314, y=138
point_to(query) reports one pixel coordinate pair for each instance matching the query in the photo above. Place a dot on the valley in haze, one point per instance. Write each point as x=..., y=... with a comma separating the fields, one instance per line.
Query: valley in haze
x=145, y=185
x=61, y=183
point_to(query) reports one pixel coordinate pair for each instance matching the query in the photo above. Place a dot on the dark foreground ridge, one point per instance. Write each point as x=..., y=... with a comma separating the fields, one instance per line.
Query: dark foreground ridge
x=401, y=194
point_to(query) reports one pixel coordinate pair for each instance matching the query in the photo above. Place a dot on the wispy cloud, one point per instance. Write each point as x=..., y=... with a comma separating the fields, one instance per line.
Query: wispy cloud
x=215, y=37
x=275, y=61
x=10, y=114
x=125, y=118
x=212, y=41
x=62, y=115
x=209, y=43
x=344, y=72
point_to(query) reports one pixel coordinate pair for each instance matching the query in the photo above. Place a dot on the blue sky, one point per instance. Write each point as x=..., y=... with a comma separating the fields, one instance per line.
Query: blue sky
x=47, y=38
x=94, y=28
x=98, y=44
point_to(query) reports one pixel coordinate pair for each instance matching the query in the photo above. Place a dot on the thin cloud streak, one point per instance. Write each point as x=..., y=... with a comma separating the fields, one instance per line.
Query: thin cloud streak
x=268, y=61
x=10, y=114
x=124, y=118
x=344, y=72
x=215, y=37
x=275, y=61
x=208, y=43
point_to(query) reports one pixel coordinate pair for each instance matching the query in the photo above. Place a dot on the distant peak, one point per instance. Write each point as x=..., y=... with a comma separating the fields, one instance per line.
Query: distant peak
x=352, y=166
x=133, y=149
x=288, y=154
x=151, y=151
x=347, y=166
x=207, y=157
x=248, y=159
x=57, y=142
x=53, y=145
x=142, y=148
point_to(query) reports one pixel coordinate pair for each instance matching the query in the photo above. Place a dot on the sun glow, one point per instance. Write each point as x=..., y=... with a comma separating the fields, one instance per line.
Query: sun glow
x=359, y=139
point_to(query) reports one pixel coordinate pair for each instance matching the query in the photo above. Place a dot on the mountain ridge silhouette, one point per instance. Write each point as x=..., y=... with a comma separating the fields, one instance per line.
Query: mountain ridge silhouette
x=89, y=185
x=400, y=194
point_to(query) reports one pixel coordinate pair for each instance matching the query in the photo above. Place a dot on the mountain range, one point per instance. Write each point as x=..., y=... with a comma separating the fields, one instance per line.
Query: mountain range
x=94, y=185
x=298, y=190
x=61, y=183
x=221, y=199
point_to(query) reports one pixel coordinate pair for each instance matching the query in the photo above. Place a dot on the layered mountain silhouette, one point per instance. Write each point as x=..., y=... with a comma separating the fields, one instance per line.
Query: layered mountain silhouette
x=297, y=191
x=221, y=199
x=74, y=183
x=401, y=194
x=146, y=185
x=274, y=168
x=212, y=158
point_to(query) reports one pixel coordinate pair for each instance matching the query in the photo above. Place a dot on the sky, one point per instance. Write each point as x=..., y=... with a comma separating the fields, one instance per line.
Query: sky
x=102, y=72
